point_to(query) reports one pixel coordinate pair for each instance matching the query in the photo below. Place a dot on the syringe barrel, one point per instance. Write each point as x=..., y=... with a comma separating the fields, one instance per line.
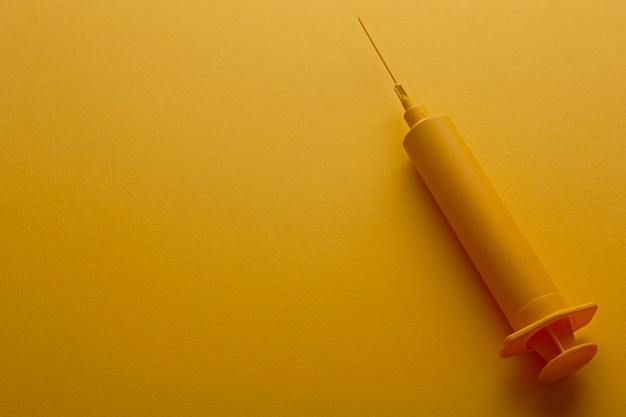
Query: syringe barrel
x=484, y=226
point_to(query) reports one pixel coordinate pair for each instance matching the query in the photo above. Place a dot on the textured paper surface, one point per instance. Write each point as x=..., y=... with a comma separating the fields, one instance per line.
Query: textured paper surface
x=205, y=208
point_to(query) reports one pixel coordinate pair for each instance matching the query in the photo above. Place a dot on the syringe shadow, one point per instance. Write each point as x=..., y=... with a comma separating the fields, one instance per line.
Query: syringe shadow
x=522, y=388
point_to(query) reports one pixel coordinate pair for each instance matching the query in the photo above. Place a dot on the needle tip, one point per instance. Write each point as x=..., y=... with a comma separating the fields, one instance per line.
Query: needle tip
x=377, y=51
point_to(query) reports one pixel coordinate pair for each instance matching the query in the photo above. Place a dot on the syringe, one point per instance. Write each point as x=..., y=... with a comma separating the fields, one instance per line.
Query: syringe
x=540, y=317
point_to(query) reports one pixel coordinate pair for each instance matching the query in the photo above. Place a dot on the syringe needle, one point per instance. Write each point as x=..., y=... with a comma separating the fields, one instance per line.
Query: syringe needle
x=413, y=113
x=377, y=51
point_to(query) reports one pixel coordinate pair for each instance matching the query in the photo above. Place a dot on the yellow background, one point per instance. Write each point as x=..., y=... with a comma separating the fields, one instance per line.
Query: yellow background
x=206, y=209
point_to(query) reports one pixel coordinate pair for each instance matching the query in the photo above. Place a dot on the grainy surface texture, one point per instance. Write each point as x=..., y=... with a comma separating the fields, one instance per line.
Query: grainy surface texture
x=206, y=210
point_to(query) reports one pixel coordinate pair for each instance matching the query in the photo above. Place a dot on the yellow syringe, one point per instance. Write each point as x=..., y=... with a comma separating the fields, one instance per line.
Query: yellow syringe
x=540, y=317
